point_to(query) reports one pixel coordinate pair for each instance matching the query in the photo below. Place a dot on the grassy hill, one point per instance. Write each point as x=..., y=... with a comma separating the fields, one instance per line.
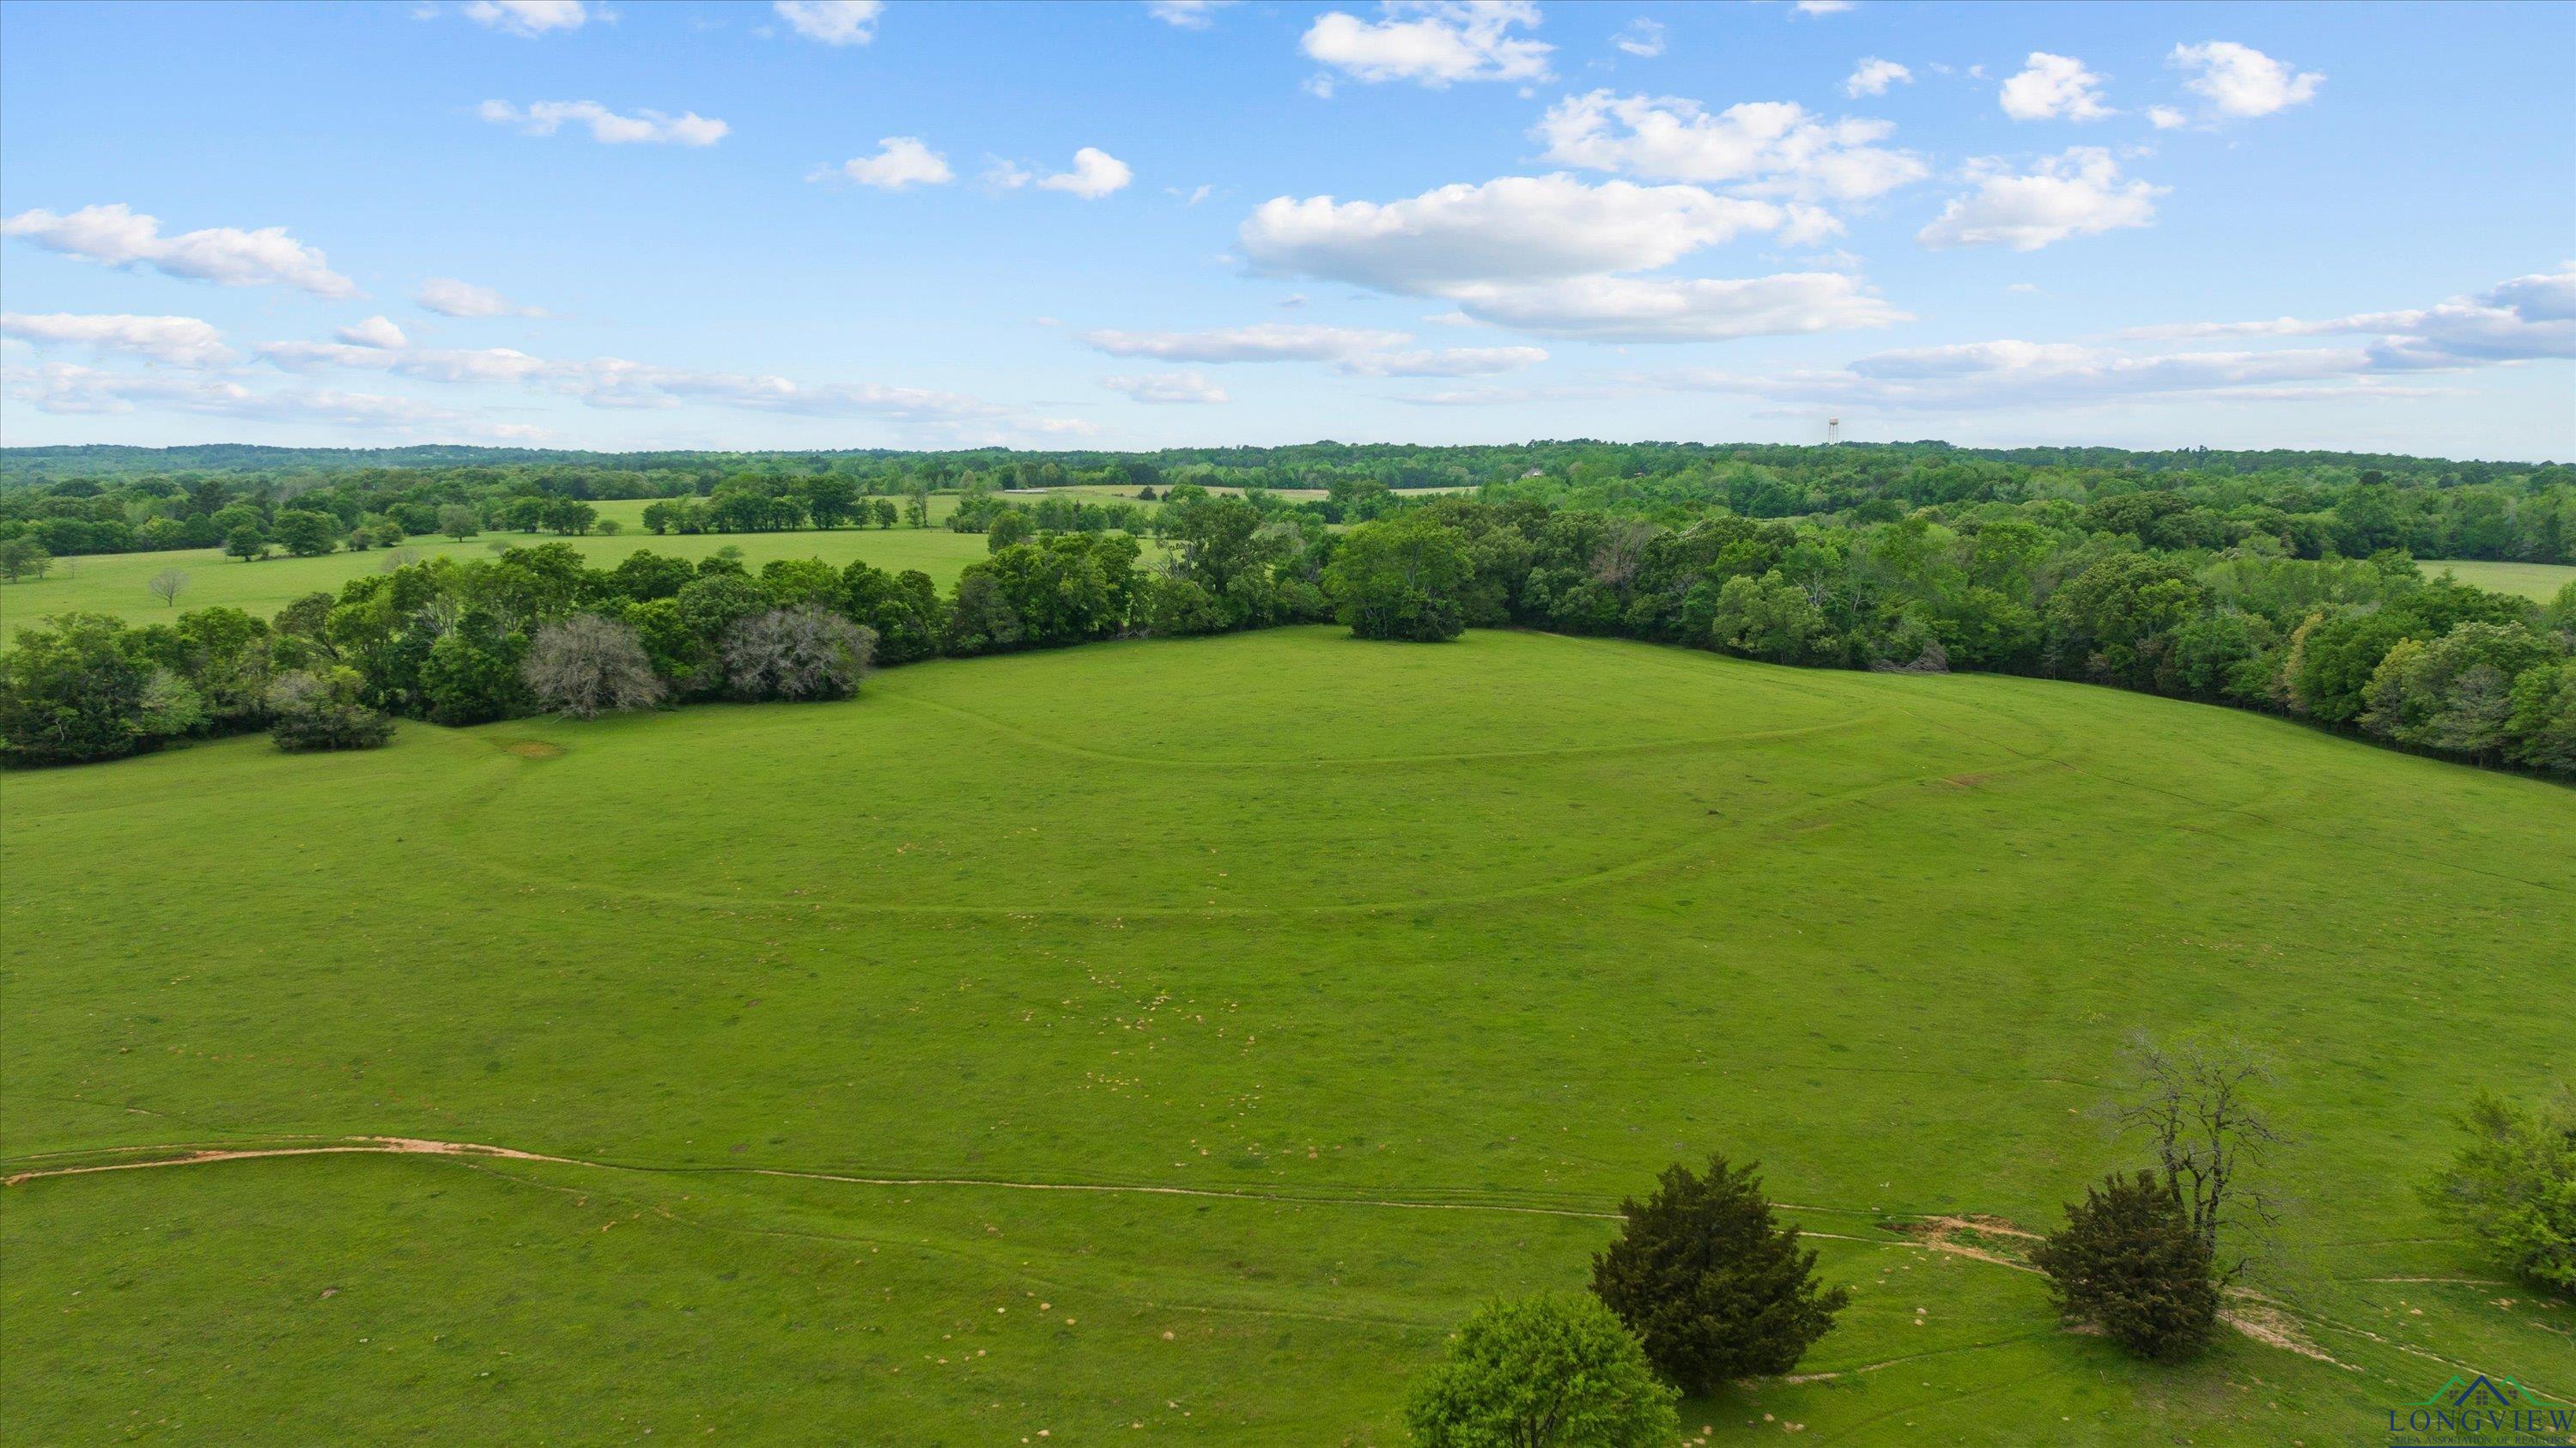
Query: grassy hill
x=1171, y=1041
x=120, y=583
x=2532, y=580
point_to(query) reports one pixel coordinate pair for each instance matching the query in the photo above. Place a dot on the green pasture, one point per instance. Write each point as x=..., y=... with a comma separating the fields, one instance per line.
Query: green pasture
x=2532, y=580
x=120, y=583
x=1170, y=1041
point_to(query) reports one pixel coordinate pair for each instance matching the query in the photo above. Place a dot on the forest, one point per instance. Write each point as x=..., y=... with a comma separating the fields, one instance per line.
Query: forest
x=2284, y=582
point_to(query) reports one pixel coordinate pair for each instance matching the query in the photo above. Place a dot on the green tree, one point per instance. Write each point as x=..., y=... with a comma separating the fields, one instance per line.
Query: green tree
x=1713, y=1286
x=72, y=691
x=2128, y=1260
x=1542, y=1372
x=246, y=542
x=2514, y=1187
x=1009, y=526
x=23, y=557
x=321, y=709
x=460, y=522
x=1400, y=579
x=2543, y=722
x=304, y=533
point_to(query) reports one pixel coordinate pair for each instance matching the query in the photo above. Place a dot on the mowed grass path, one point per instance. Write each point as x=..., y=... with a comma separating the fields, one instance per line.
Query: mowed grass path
x=2532, y=580
x=1199, y=1029
x=120, y=583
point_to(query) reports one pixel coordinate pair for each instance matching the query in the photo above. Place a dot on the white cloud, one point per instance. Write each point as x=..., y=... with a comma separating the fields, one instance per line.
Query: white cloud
x=1515, y=228
x=1542, y=254
x=60, y=388
x=1774, y=146
x=1095, y=174
x=227, y=256
x=1262, y=342
x=2051, y=86
x=1167, y=387
x=1821, y=7
x=179, y=341
x=2079, y=193
x=1643, y=38
x=451, y=298
x=1651, y=309
x=833, y=22
x=1444, y=362
x=607, y=127
x=527, y=17
x=2166, y=118
x=2528, y=318
x=374, y=332
x=1187, y=14
x=2239, y=81
x=1432, y=42
x=900, y=161
x=1193, y=196
x=428, y=364
x=1873, y=76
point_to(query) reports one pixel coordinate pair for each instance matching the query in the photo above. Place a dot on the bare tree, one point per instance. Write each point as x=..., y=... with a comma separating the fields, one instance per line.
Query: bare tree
x=588, y=665
x=1622, y=551
x=397, y=559
x=796, y=653
x=2195, y=1102
x=169, y=583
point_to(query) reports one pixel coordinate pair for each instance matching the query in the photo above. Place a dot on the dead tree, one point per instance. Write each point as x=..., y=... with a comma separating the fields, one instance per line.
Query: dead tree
x=2195, y=1103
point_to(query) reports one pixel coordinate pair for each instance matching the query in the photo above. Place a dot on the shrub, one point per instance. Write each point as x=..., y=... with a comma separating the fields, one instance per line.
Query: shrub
x=320, y=710
x=587, y=665
x=1542, y=1372
x=795, y=654
x=1711, y=1285
x=2129, y=1260
x=2514, y=1187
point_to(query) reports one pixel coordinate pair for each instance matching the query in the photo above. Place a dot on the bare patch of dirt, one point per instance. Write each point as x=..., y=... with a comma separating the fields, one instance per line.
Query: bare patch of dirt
x=2265, y=1323
x=528, y=748
x=1982, y=1238
x=375, y=1145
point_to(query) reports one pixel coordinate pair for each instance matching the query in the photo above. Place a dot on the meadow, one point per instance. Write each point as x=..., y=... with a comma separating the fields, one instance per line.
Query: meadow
x=120, y=583
x=1171, y=1040
x=2540, y=581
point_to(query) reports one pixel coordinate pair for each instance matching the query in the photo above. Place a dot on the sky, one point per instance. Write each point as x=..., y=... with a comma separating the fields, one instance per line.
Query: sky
x=1135, y=225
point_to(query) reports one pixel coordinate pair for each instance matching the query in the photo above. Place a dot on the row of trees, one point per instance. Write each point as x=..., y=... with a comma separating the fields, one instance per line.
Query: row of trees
x=2366, y=645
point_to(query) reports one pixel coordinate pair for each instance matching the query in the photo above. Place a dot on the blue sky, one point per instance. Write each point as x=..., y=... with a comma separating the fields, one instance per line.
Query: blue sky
x=1135, y=225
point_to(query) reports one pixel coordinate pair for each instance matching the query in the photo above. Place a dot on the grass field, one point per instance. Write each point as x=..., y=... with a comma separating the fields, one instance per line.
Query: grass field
x=2532, y=580
x=1170, y=1041
x=118, y=583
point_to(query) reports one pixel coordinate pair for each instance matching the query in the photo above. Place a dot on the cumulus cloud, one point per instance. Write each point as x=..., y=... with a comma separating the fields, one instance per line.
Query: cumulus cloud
x=607, y=127
x=1443, y=362
x=1166, y=387
x=530, y=18
x=900, y=161
x=1262, y=342
x=2079, y=193
x=2528, y=318
x=1095, y=174
x=1433, y=42
x=1873, y=76
x=178, y=341
x=116, y=235
x=374, y=332
x=1769, y=146
x=1544, y=254
x=2166, y=118
x=1187, y=14
x=452, y=298
x=1515, y=228
x=833, y=22
x=1643, y=38
x=2240, y=82
x=2053, y=86
x=1653, y=309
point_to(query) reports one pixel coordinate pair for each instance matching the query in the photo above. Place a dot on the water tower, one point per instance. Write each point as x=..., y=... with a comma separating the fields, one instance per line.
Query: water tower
x=1833, y=431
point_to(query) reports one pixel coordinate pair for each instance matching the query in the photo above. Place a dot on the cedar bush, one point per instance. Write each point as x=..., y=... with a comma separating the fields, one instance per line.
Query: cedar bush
x=2129, y=1261
x=1712, y=1286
